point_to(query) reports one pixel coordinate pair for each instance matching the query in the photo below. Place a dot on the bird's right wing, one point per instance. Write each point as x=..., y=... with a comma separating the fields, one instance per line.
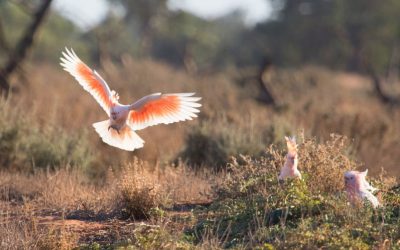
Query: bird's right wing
x=369, y=196
x=89, y=79
x=163, y=108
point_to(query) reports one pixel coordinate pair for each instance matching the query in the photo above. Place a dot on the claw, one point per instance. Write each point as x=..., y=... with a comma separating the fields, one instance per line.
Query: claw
x=111, y=126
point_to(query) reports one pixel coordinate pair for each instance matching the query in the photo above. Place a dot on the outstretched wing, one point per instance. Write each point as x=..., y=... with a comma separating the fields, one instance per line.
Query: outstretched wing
x=89, y=79
x=162, y=108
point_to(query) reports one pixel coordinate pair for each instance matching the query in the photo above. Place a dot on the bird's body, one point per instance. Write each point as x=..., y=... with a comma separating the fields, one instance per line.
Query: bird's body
x=119, y=129
x=119, y=115
x=289, y=169
x=358, y=189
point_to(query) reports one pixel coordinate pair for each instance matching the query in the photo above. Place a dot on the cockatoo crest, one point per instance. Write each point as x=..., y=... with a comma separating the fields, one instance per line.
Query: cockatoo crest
x=115, y=96
x=291, y=145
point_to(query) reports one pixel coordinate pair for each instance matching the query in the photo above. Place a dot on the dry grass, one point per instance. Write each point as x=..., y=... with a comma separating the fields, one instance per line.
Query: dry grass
x=139, y=193
x=47, y=126
x=143, y=188
x=56, y=210
x=326, y=163
x=20, y=229
x=313, y=99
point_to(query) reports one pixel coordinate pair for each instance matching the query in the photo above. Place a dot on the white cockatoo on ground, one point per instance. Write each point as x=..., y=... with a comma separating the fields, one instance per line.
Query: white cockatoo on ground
x=358, y=189
x=119, y=129
x=289, y=169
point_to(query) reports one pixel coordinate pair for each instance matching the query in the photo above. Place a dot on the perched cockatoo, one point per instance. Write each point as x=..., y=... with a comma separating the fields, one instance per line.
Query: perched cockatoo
x=289, y=169
x=358, y=189
x=119, y=129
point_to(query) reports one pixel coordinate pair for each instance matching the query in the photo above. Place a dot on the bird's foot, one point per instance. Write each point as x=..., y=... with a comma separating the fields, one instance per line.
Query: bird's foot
x=111, y=126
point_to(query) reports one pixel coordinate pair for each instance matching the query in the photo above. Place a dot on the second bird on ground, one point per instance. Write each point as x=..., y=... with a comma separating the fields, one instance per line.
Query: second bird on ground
x=289, y=169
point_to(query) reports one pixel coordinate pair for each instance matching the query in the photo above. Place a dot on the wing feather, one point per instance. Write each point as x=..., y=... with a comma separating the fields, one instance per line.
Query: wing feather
x=163, y=108
x=89, y=79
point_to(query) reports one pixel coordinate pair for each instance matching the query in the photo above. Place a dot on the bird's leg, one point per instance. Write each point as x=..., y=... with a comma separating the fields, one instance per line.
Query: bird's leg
x=113, y=127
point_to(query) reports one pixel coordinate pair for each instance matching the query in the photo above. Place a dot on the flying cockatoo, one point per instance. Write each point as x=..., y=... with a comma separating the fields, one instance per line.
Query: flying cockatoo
x=358, y=189
x=289, y=169
x=124, y=120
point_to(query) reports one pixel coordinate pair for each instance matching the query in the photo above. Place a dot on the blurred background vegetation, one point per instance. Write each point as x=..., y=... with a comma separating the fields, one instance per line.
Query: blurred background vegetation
x=318, y=66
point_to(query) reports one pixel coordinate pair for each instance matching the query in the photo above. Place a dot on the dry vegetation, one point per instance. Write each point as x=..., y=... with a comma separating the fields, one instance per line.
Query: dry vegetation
x=208, y=183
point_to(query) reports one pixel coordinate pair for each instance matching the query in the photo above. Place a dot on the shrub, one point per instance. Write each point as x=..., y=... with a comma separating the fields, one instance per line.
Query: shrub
x=253, y=208
x=139, y=195
x=214, y=140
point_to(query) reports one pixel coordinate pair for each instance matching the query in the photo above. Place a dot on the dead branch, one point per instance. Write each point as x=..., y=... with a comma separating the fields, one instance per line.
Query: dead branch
x=23, y=45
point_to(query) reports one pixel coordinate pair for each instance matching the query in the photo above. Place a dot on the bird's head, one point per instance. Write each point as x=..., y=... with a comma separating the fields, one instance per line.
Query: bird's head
x=353, y=180
x=114, y=115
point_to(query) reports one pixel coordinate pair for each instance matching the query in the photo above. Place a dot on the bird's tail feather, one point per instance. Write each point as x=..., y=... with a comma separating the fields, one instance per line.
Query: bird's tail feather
x=126, y=139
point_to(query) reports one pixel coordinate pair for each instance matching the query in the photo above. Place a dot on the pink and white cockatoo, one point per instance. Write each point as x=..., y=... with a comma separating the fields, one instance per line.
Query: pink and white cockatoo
x=119, y=129
x=358, y=189
x=289, y=169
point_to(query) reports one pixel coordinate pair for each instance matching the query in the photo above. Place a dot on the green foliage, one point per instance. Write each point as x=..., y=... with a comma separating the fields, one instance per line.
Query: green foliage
x=51, y=38
x=254, y=210
x=341, y=34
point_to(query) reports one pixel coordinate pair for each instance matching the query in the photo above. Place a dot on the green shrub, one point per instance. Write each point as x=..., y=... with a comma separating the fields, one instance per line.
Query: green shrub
x=253, y=208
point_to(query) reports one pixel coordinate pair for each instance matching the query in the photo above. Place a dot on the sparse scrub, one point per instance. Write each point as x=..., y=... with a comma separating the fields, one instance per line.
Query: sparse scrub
x=20, y=229
x=252, y=208
x=214, y=141
x=25, y=144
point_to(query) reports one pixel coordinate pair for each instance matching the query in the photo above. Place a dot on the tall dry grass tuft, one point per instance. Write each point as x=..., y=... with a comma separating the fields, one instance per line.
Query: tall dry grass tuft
x=139, y=192
x=143, y=188
x=324, y=164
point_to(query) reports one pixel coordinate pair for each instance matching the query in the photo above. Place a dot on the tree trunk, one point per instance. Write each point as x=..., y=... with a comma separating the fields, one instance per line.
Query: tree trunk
x=23, y=45
x=376, y=80
x=264, y=79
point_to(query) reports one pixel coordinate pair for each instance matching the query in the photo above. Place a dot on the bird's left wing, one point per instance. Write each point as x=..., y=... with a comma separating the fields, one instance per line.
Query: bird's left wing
x=89, y=79
x=369, y=196
x=162, y=108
